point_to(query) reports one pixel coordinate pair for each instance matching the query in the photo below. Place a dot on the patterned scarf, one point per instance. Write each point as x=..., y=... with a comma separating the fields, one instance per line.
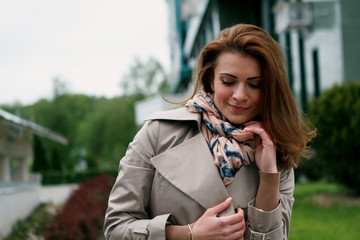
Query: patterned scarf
x=230, y=146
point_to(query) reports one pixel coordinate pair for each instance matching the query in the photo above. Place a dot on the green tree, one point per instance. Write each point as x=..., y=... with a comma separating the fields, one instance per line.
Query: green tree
x=98, y=128
x=63, y=114
x=144, y=79
x=59, y=87
x=107, y=131
x=41, y=162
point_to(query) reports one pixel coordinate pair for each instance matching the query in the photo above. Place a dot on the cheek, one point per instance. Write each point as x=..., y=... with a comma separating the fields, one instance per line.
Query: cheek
x=220, y=96
x=257, y=102
x=221, y=92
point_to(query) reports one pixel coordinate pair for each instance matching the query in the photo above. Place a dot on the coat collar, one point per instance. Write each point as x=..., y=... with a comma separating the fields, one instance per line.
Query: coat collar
x=178, y=114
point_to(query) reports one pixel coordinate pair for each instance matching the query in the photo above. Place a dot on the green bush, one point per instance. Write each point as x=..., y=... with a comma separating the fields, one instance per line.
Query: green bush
x=336, y=114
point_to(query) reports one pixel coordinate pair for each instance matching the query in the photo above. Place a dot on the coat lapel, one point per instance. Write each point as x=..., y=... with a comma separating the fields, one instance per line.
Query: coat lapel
x=243, y=187
x=190, y=168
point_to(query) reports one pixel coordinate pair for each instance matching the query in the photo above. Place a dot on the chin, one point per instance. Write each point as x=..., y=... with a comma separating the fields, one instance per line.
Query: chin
x=236, y=121
x=240, y=121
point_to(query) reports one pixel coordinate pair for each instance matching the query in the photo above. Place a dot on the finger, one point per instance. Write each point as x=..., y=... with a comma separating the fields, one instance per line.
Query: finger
x=257, y=130
x=238, y=234
x=233, y=219
x=221, y=206
x=240, y=212
x=253, y=128
x=239, y=226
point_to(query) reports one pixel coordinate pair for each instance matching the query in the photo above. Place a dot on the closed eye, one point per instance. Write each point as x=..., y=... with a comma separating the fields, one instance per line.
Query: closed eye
x=227, y=82
x=253, y=85
x=228, y=79
x=254, y=82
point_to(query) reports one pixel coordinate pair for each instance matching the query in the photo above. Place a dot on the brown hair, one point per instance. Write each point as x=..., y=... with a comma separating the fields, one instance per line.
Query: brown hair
x=278, y=109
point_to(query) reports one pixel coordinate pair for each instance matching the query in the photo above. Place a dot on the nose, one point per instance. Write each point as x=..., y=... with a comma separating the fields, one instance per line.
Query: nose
x=240, y=93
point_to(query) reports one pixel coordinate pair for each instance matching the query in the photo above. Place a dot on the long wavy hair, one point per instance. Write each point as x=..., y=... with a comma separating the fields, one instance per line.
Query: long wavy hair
x=279, y=113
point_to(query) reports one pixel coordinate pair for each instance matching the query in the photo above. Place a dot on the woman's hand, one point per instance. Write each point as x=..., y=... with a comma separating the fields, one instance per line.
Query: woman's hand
x=209, y=226
x=265, y=151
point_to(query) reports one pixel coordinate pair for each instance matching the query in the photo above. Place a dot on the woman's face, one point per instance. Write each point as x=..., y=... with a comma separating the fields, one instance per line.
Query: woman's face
x=236, y=86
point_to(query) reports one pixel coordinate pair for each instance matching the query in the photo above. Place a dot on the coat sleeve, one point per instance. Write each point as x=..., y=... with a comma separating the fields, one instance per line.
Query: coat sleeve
x=126, y=216
x=273, y=225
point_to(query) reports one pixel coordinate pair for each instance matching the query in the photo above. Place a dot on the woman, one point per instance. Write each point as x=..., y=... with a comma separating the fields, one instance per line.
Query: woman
x=222, y=166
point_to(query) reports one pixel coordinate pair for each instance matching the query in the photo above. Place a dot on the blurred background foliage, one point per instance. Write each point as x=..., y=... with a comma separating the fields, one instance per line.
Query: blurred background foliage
x=98, y=129
x=336, y=155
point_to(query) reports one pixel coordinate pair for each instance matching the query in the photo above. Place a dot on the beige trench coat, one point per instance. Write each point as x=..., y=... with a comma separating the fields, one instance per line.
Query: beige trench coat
x=168, y=176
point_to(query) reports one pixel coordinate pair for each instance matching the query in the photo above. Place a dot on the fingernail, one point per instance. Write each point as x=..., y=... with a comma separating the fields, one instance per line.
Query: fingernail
x=228, y=199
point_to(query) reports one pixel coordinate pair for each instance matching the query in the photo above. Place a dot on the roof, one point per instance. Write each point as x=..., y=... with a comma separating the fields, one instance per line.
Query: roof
x=35, y=128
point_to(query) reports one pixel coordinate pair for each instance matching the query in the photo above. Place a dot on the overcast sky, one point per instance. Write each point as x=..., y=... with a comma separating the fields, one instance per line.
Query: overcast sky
x=88, y=44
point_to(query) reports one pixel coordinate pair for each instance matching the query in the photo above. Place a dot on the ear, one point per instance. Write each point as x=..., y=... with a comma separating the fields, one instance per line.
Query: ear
x=212, y=85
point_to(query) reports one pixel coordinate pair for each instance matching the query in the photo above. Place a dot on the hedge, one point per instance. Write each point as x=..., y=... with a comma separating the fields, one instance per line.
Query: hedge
x=83, y=214
x=336, y=114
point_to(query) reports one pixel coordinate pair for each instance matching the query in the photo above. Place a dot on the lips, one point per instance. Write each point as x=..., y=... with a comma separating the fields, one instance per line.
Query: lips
x=238, y=109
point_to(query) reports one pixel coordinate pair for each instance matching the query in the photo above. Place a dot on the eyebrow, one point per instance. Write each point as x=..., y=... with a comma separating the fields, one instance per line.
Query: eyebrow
x=233, y=76
x=228, y=74
x=252, y=78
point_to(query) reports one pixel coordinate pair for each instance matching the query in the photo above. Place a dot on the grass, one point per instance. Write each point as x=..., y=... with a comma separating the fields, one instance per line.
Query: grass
x=324, y=211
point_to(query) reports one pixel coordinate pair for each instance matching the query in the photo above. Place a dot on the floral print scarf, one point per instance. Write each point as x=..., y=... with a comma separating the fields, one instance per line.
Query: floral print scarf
x=230, y=146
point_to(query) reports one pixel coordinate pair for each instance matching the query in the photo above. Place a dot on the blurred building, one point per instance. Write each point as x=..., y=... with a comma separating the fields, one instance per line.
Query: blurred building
x=19, y=189
x=319, y=39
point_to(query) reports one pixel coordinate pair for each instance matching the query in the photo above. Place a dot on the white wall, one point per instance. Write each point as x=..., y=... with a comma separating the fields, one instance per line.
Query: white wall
x=154, y=104
x=17, y=201
x=328, y=43
x=326, y=37
x=294, y=35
